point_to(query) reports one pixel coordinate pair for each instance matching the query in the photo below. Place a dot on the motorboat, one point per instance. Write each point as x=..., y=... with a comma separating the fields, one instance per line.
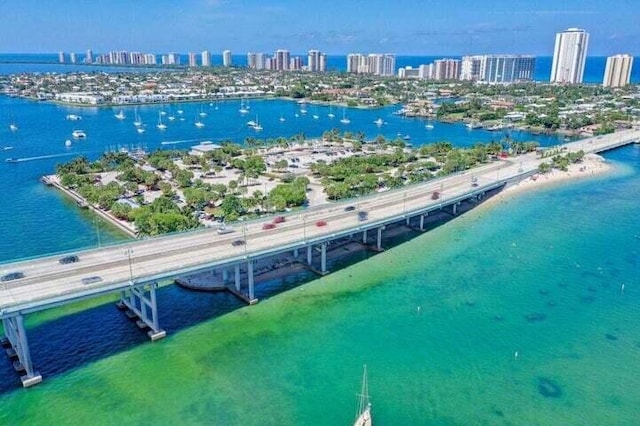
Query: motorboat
x=78, y=134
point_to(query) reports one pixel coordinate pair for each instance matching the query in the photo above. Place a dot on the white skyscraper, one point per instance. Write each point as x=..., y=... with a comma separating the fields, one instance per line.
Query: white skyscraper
x=192, y=60
x=226, y=58
x=569, y=56
x=205, y=58
x=617, y=73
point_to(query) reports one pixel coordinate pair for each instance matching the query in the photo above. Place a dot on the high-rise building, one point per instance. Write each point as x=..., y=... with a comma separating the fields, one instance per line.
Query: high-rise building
x=282, y=59
x=313, y=61
x=61, y=57
x=446, y=69
x=226, y=58
x=569, y=56
x=192, y=60
x=89, y=58
x=374, y=63
x=322, y=66
x=388, y=64
x=295, y=63
x=353, y=62
x=617, y=73
x=205, y=58
x=471, y=67
x=507, y=68
x=72, y=58
x=255, y=61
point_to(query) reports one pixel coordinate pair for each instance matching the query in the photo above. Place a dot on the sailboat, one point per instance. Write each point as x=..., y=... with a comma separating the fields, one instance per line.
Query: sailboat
x=331, y=114
x=199, y=124
x=379, y=122
x=120, y=115
x=137, y=122
x=257, y=127
x=243, y=109
x=161, y=125
x=344, y=119
x=363, y=413
x=13, y=127
x=282, y=119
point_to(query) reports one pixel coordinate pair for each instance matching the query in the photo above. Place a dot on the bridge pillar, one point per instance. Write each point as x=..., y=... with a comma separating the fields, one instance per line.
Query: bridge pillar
x=250, y=278
x=17, y=336
x=225, y=275
x=364, y=237
x=237, y=277
x=422, y=221
x=295, y=253
x=309, y=253
x=379, y=241
x=455, y=209
x=323, y=258
x=145, y=307
x=408, y=220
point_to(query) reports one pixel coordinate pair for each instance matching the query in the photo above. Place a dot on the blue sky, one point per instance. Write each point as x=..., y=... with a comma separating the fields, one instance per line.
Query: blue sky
x=419, y=27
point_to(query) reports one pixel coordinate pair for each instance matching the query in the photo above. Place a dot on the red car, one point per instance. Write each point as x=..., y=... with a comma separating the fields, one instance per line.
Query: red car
x=279, y=219
x=321, y=223
x=268, y=226
x=435, y=195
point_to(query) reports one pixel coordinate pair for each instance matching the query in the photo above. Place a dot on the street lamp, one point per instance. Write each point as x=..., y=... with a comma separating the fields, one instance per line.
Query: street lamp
x=244, y=237
x=304, y=228
x=128, y=252
x=404, y=203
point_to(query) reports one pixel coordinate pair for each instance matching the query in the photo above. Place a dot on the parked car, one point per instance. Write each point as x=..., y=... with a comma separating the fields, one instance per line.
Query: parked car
x=362, y=215
x=68, y=259
x=349, y=208
x=279, y=219
x=12, y=276
x=321, y=223
x=91, y=280
x=237, y=243
x=268, y=226
x=435, y=195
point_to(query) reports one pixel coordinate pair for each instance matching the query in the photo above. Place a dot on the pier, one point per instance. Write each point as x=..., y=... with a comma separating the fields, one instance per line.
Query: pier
x=134, y=269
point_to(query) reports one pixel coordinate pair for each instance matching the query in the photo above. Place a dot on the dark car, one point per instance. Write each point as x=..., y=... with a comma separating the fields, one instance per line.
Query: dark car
x=435, y=195
x=279, y=219
x=474, y=181
x=12, y=276
x=91, y=280
x=321, y=223
x=69, y=259
x=349, y=208
x=363, y=216
x=237, y=243
x=267, y=226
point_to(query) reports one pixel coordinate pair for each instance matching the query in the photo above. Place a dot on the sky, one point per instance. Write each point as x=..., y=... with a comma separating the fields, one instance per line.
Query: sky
x=403, y=27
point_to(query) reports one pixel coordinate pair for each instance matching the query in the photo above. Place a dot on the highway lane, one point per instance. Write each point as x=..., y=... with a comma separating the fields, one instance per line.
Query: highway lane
x=45, y=277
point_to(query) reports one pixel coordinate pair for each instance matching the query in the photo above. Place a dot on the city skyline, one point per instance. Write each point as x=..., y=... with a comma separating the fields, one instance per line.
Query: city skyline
x=338, y=28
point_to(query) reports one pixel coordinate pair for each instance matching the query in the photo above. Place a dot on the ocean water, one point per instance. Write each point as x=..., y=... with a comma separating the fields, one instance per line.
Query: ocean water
x=514, y=313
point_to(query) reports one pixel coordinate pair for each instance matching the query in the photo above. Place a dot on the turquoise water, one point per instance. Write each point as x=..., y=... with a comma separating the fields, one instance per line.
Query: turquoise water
x=438, y=321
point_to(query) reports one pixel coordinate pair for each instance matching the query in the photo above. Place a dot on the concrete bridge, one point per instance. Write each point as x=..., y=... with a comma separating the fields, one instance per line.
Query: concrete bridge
x=134, y=269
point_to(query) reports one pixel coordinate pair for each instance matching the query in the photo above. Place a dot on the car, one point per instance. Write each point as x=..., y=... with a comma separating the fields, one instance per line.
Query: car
x=362, y=215
x=349, y=208
x=237, y=243
x=12, y=276
x=68, y=259
x=279, y=219
x=223, y=229
x=435, y=195
x=474, y=181
x=321, y=223
x=268, y=226
x=91, y=280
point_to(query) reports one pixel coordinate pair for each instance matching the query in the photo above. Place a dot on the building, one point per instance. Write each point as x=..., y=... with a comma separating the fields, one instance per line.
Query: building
x=446, y=69
x=569, y=56
x=322, y=66
x=374, y=63
x=205, y=58
x=192, y=60
x=295, y=63
x=61, y=58
x=226, y=58
x=89, y=58
x=498, y=68
x=72, y=58
x=255, y=61
x=282, y=59
x=617, y=72
x=316, y=61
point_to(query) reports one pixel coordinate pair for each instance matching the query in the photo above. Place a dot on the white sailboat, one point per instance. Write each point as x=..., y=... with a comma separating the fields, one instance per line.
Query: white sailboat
x=161, y=125
x=363, y=411
x=331, y=114
x=243, y=109
x=13, y=127
x=257, y=127
x=137, y=122
x=120, y=115
x=379, y=122
x=199, y=124
x=344, y=119
x=282, y=119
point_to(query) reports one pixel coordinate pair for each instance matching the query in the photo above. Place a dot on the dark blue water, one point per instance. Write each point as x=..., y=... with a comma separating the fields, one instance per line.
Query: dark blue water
x=13, y=63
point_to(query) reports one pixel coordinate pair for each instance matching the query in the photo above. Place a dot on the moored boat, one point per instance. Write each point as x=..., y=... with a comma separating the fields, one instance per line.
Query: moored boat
x=363, y=411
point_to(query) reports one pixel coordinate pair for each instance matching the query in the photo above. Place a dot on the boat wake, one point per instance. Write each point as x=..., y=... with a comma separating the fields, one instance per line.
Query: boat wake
x=40, y=157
